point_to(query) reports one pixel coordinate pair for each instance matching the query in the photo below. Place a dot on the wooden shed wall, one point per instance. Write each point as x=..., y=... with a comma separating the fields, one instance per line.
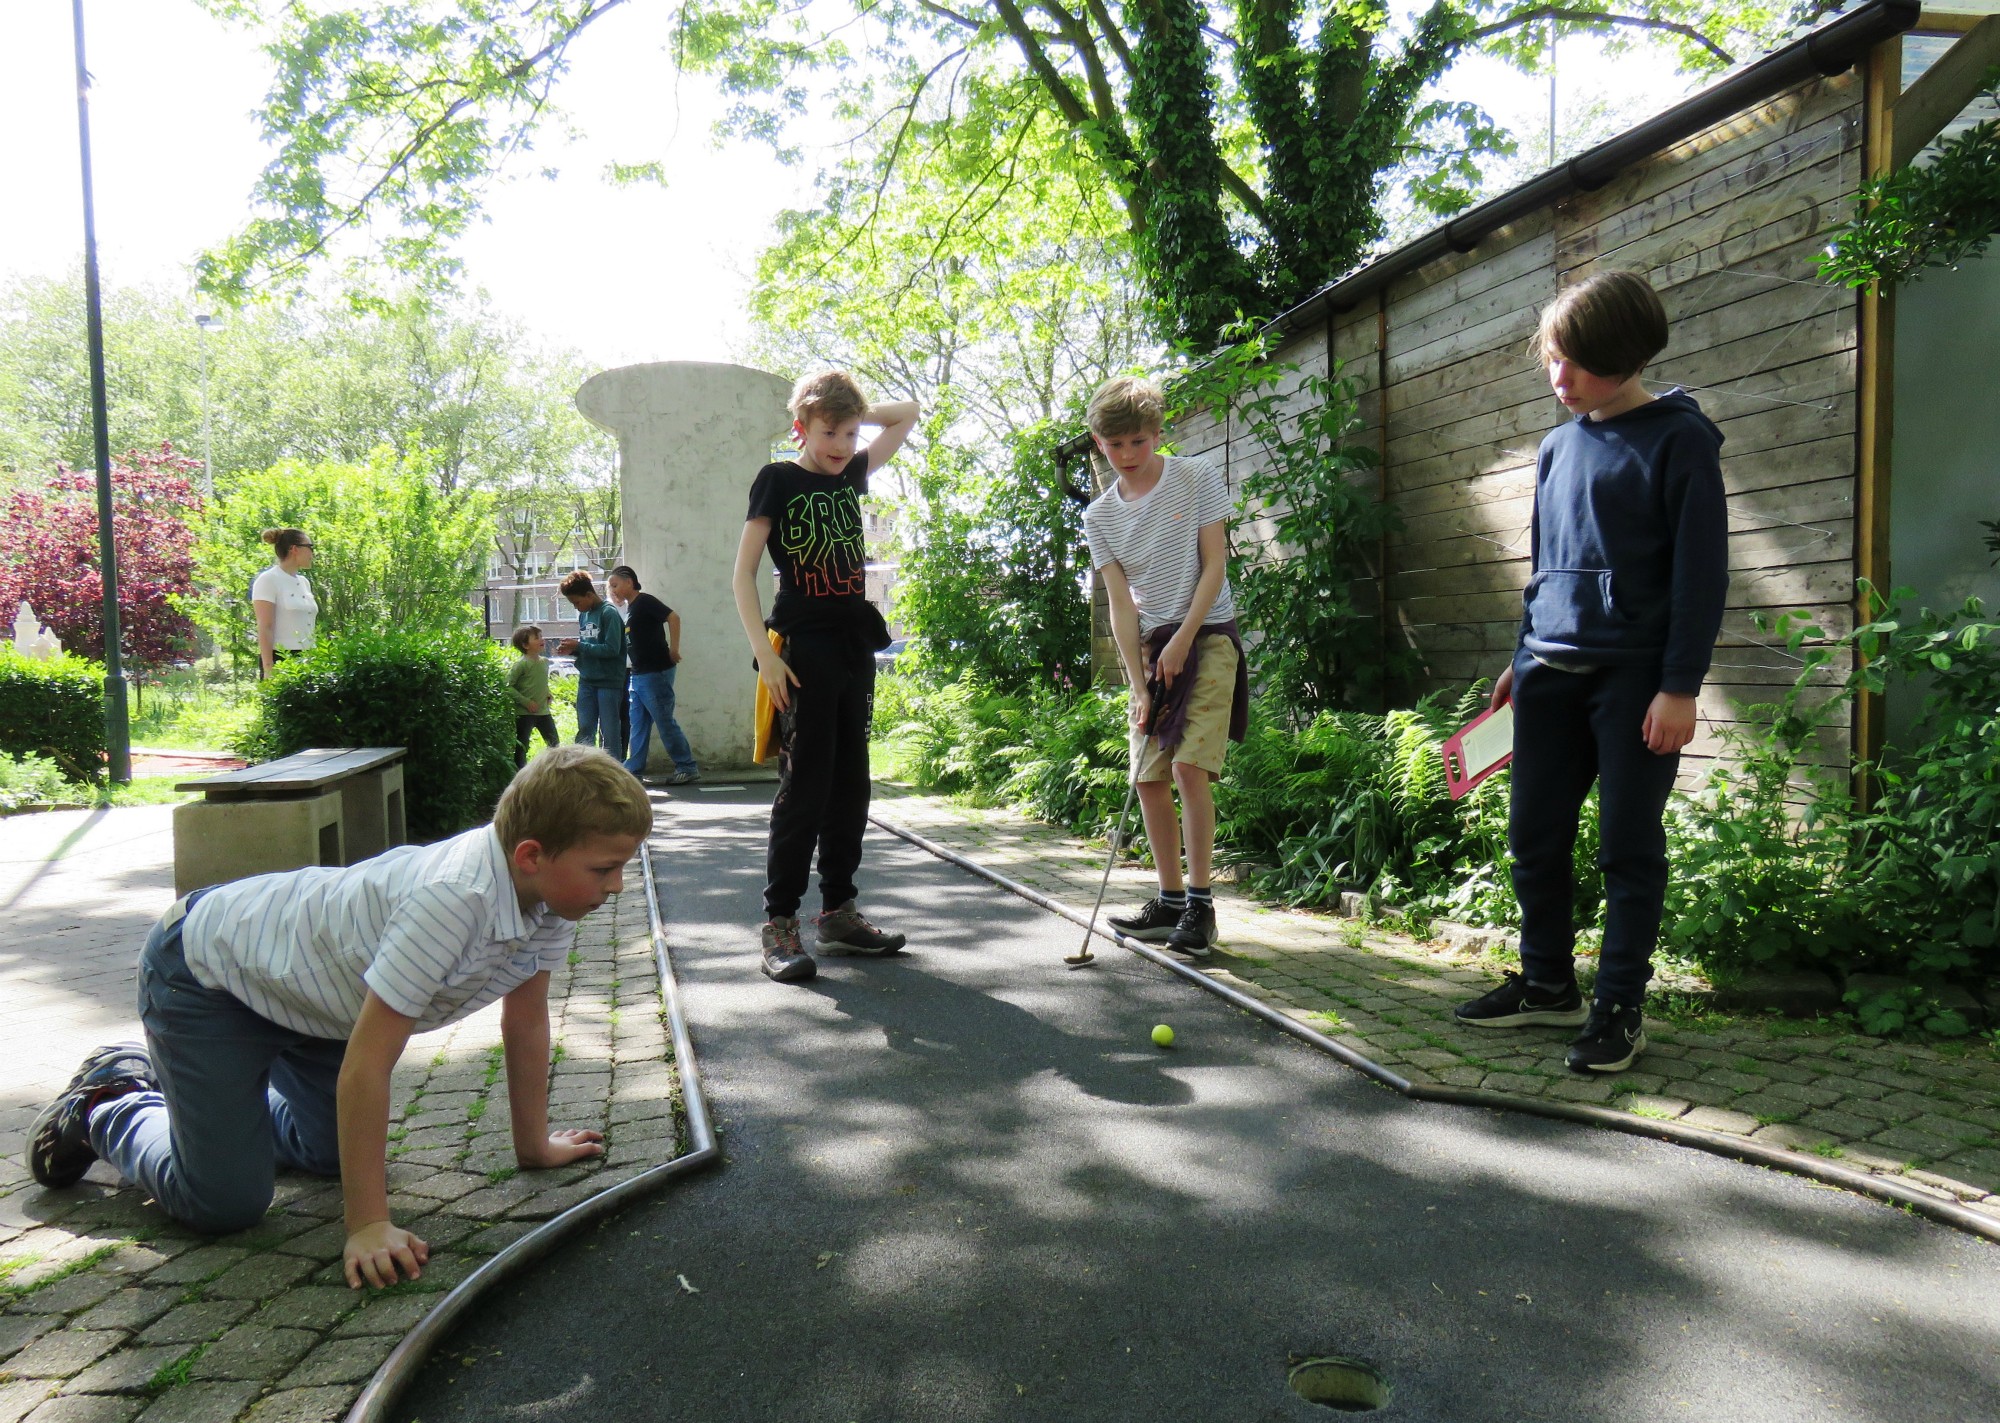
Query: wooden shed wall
x=1726, y=225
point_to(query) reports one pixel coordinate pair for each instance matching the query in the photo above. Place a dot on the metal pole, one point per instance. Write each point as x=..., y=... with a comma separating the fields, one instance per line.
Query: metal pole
x=117, y=724
x=1552, y=91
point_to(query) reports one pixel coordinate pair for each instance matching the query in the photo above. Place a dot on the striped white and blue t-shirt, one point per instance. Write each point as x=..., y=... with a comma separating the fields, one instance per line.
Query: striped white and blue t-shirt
x=1156, y=540
x=437, y=931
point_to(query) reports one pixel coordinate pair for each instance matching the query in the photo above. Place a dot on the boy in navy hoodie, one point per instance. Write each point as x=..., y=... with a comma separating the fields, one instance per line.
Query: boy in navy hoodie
x=1630, y=571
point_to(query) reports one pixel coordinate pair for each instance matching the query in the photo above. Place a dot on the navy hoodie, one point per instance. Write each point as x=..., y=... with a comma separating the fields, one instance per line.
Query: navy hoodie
x=1631, y=543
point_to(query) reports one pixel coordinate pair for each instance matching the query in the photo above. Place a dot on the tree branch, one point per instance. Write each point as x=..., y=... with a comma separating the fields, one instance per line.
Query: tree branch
x=1601, y=17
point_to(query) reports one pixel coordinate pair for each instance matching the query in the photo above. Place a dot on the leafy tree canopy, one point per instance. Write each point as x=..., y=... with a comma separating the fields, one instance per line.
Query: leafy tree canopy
x=1245, y=143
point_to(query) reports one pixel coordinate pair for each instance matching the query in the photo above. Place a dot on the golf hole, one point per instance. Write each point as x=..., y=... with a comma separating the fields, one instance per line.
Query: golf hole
x=1345, y=1385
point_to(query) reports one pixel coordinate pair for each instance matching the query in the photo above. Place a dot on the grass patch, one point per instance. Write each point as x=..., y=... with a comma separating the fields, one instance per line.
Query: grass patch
x=502, y=1173
x=11, y=1292
x=175, y=1374
x=1776, y=1119
x=496, y=1063
x=477, y=1110
x=1647, y=1109
x=1333, y=1020
x=1830, y=1150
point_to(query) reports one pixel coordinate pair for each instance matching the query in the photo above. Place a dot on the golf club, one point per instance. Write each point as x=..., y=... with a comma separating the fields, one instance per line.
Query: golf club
x=1083, y=955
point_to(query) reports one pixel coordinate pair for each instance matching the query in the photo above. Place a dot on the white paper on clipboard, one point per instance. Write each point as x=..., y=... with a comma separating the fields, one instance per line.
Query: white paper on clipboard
x=1488, y=742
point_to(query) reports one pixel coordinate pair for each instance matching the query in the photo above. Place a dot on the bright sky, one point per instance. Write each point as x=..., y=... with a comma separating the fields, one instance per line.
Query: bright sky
x=624, y=275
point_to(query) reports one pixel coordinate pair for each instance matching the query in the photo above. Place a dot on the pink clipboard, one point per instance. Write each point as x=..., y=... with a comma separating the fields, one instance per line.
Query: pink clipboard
x=1478, y=749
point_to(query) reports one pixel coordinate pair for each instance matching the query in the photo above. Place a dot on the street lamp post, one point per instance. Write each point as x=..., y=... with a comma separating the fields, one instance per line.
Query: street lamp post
x=117, y=721
x=207, y=321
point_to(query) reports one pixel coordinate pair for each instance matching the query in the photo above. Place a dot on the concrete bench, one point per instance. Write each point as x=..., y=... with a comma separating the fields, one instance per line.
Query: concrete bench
x=320, y=807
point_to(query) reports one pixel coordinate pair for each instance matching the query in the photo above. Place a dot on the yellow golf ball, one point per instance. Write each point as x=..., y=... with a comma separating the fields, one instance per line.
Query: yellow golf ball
x=1163, y=1036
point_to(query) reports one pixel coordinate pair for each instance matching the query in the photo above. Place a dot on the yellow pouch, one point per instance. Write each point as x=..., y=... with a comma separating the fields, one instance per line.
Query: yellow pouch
x=764, y=719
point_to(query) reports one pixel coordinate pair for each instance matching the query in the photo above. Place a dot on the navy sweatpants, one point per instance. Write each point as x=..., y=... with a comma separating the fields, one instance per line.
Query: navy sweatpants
x=1572, y=728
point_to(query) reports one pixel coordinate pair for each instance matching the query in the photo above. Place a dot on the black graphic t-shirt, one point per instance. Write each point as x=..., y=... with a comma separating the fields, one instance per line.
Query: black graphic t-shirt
x=817, y=545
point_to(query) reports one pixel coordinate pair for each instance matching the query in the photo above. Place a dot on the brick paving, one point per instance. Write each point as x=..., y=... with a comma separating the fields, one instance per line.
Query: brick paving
x=1927, y=1111
x=110, y=1312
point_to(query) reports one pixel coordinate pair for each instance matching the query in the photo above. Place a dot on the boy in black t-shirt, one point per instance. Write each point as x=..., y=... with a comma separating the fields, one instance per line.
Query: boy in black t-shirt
x=653, y=646
x=821, y=676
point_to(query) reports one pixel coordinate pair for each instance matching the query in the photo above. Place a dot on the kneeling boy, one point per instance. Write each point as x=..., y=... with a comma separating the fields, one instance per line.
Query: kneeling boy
x=276, y=1007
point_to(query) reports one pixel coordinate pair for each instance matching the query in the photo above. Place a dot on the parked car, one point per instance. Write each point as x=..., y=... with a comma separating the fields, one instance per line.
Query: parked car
x=885, y=660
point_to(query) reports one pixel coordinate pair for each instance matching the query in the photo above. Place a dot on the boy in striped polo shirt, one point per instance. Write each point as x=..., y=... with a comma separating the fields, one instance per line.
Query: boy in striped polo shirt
x=276, y=1007
x=1159, y=538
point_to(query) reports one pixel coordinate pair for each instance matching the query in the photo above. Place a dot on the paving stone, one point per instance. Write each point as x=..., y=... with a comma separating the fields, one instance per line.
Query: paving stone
x=1913, y=1143
x=18, y=1400
x=201, y=1403
x=342, y=1361
x=444, y=1185
x=492, y=1202
x=1950, y=1185
x=397, y=1315
x=304, y=1405
x=1717, y=1119
x=57, y=1356
x=1467, y=1076
x=1788, y=1135
x=132, y=1307
x=18, y=1331
x=251, y=1351
x=1580, y=1089
x=1810, y=1094
x=323, y=1242
x=87, y=1408
x=315, y=1307
x=125, y=1371
x=1830, y=1121
x=1735, y=1081
x=260, y=1277
x=1702, y=1093
x=1764, y=1105
x=191, y=1323
x=1515, y=1082
x=197, y=1265
x=1645, y=1104
x=67, y=1296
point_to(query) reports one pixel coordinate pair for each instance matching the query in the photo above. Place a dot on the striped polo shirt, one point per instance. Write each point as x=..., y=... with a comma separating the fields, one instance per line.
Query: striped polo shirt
x=437, y=931
x=1156, y=540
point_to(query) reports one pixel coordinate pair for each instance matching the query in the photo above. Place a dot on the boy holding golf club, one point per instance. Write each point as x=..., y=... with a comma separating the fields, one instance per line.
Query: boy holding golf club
x=1159, y=537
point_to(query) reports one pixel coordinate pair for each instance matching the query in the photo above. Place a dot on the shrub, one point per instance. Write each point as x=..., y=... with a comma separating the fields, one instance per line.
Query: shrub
x=443, y=695
x=53, y=708
x=31, y=780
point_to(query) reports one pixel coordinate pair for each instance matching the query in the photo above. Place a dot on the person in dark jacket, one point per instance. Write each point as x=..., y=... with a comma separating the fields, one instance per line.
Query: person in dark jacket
x=599, y=649
x=1629, y=575
x=653, y=646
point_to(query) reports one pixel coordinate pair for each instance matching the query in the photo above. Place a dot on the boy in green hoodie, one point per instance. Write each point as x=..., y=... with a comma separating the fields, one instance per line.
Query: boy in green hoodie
x=528, y=685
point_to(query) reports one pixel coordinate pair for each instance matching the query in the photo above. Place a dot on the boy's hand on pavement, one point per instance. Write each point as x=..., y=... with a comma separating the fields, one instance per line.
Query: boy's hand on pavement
x=779, y=679
x=563, y=1147
x=377, y=1251
x=1669, y=723
x=1503, y=690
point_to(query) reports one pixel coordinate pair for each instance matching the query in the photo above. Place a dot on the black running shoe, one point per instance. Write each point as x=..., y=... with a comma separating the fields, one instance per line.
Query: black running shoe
x=844, y=929
x=785, y=958
x=1194, y=935
x=1154, y=923
x=59, y=1149
x=1610, y=1041
x=1516, y=1003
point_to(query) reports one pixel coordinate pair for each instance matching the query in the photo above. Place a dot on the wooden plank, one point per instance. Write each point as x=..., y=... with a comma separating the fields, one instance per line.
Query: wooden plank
x=1440, y=285
x=1942, y=91
x=1801, y=585
x=1875, y=426
x=301, y=771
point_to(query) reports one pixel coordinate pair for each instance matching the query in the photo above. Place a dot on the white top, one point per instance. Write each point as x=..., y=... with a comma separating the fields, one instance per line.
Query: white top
x=1156, y=540
x=295, y=608
x=436, y=930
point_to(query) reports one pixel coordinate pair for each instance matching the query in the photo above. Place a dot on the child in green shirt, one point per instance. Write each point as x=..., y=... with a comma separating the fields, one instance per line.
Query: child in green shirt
x=528, y=684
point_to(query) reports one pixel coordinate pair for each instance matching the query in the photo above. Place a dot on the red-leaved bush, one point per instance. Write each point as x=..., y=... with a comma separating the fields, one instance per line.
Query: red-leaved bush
x=48, y=556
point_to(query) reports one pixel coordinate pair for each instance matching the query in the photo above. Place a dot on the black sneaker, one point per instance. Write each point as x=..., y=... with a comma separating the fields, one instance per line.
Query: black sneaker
x=59, y=1149
x=846, y=930
x=1516, y=1003
x=683, y=778
x=785, y=958
x=1194, y=935
x=1614, y=1036
x=1154, y=923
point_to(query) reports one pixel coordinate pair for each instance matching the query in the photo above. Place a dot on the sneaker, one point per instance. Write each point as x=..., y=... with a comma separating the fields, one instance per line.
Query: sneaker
x=844, y=928
x=683, y=778
x=59, y=1149
x=1613, y=1037
x=1153, y=923
x=1194, y=934
x=1516, y=1003
x=785, y=958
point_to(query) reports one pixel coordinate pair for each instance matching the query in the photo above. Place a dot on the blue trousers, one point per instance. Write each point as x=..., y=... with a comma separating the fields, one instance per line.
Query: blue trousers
x=600, y=714
x=653, y=705
x=239, y=1097
x=1570, y=729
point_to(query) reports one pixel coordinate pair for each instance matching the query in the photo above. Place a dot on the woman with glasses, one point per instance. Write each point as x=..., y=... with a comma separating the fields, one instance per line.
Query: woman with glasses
x=283, y=600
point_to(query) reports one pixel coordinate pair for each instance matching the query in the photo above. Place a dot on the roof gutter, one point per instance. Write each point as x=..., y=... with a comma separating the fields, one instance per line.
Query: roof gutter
x=1827, y=51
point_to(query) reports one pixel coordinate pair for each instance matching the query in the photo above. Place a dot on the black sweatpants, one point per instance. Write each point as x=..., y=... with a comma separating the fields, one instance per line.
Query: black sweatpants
x=1572, y=728
x=523, y=725
x=823, y=785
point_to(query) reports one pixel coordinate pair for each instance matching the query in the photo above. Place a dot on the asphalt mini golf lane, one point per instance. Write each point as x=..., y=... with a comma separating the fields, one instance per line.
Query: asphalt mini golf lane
x=963, y=1184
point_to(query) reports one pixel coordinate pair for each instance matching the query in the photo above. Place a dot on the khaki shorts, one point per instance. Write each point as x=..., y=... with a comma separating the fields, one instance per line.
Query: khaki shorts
x=1206, y=737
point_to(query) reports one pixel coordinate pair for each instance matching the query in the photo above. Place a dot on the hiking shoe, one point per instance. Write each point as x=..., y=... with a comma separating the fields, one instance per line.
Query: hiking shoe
x=59, y=1150
x=1194, y=934
x=1154, y=922
x=1516, y=1003
x=683, y=778
x=1613, y=1037
x=844, y=928
x=785, y=958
